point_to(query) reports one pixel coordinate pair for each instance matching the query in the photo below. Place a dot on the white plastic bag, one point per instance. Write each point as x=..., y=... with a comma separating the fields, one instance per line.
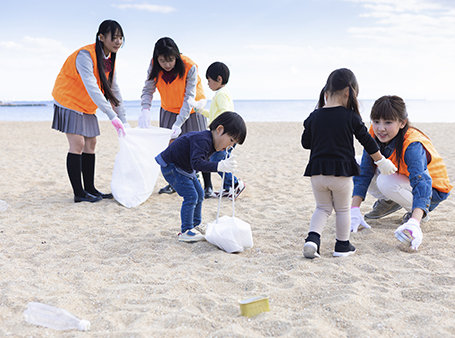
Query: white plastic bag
x=229, y=234
x=135, y=168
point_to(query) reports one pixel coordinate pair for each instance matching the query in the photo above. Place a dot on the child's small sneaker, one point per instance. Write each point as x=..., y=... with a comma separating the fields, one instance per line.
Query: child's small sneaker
x=208, y=193
x=191, y=236
x=310, y=250
x=311, y=246
x=224, y=193
x=201, y=228
x=343, y=248
x=239, y=187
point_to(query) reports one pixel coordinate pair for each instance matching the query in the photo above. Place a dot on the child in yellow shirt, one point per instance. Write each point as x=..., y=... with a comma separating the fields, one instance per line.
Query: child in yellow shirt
x=218, y=76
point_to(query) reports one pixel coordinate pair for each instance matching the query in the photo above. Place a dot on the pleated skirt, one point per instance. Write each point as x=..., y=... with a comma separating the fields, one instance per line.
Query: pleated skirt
x=196, y=121
x=71, y=122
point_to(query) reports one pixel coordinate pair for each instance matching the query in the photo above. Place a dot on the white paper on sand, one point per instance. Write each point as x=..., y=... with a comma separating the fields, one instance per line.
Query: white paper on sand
x=135, y=169
x=230, y=234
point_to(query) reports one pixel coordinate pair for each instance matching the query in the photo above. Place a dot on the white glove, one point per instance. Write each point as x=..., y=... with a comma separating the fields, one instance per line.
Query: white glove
x=118, y=125
x=198, y=106
x=386, y=167
x=357, y=220
x=228, y=165
x=144, y=120
x=175, y=132
x=413, y=226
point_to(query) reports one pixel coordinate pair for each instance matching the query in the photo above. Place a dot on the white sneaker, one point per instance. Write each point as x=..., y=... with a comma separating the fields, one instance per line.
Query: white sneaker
x=191, y=236
x=201, y=228
x=237, y=190
x=310, y=250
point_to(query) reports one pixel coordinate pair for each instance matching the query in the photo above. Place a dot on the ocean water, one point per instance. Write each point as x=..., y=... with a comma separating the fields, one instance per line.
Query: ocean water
x=424, y=111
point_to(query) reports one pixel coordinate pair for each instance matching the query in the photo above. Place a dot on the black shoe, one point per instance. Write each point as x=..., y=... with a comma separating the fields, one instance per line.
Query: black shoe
x=87, y=198
x=100, y=194
x=343, y=248
x=208, y=193
x=167, y=190
x=311, y=247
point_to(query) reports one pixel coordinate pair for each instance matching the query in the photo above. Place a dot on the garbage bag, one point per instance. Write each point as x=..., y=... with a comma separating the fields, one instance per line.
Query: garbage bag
x=230, y=234
x=135, y=169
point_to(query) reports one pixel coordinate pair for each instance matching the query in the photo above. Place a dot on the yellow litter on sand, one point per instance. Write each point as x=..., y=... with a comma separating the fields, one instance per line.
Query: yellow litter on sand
x=255, y=305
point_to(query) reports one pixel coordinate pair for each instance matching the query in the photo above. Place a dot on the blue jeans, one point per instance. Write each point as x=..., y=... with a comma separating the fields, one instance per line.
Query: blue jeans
x=217, y=157
x=190, y=189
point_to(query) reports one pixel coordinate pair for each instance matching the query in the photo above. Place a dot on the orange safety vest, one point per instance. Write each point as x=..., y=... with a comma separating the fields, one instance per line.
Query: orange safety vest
x=69, y=90
x=172, y=94
x=436, y=166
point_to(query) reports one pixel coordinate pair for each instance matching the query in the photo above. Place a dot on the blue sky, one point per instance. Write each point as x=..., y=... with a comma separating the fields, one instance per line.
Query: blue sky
x=275, y=49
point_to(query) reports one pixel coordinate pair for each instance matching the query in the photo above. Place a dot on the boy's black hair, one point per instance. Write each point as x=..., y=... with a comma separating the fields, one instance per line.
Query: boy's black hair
x=233, y=125
x=218, y=69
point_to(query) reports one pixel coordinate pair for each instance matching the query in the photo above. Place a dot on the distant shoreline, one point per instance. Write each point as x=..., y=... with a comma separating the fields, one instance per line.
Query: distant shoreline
x=20, y=104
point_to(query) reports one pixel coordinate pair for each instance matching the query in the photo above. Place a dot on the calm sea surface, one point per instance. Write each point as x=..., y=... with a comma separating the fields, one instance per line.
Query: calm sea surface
x=251, y=110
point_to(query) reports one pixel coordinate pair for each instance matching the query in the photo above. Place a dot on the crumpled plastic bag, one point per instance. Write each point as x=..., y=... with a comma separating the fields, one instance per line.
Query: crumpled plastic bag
x=230, y=234
x=135, y=169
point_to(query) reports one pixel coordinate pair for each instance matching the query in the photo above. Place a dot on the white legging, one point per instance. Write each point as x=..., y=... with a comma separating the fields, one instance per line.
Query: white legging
x=330, y=193
x=395, y=187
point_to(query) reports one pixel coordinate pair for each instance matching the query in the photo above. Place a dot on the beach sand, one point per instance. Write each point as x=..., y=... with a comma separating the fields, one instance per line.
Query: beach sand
x=125, y=271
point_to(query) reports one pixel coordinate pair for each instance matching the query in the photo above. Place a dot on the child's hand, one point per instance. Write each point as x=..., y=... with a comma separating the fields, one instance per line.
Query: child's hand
x=357, y=219
x=386, y=167
x=228, y=165
x=198, y=106
x=413, y=226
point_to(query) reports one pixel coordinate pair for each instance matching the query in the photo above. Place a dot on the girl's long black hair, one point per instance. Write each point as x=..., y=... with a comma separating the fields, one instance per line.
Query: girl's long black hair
x=338, y=80
x=166, y=47
x=113, y=27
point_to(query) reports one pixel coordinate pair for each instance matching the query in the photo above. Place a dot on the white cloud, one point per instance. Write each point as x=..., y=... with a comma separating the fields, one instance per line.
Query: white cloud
x=413, y=23
x=401, y=5
x=30, y=44
x=9, y=45
x=147, y=7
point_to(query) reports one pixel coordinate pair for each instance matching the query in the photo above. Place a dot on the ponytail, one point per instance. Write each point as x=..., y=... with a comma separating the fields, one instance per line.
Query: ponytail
x=321, y=102
x=353, y=104
x=338, y=80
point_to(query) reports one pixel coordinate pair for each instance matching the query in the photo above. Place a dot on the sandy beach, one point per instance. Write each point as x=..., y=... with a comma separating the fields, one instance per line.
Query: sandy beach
x=125, y=271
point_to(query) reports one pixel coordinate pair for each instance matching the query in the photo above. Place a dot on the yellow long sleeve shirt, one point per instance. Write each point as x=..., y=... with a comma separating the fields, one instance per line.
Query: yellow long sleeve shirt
x=221, y=102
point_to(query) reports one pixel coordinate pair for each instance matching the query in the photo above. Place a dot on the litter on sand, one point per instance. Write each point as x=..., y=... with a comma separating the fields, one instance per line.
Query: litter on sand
x=252, y=306
x=230, y=234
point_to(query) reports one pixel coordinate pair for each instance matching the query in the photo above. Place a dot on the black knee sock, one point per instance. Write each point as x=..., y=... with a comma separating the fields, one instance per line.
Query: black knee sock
x=88, y=172
x=74, y=168
x=207, y=180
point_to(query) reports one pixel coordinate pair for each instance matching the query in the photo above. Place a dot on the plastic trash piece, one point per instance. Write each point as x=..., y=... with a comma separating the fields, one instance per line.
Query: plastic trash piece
x=252, y=306
x=53, y=317
x=230, y=234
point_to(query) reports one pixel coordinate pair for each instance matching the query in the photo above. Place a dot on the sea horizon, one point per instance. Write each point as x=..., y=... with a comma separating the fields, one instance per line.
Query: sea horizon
x=270, y=110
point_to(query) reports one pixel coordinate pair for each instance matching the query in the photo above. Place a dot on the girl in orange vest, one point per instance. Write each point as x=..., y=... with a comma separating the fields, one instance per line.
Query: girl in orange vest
x=177, y=80
x=420, y=183
x=87, y=81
